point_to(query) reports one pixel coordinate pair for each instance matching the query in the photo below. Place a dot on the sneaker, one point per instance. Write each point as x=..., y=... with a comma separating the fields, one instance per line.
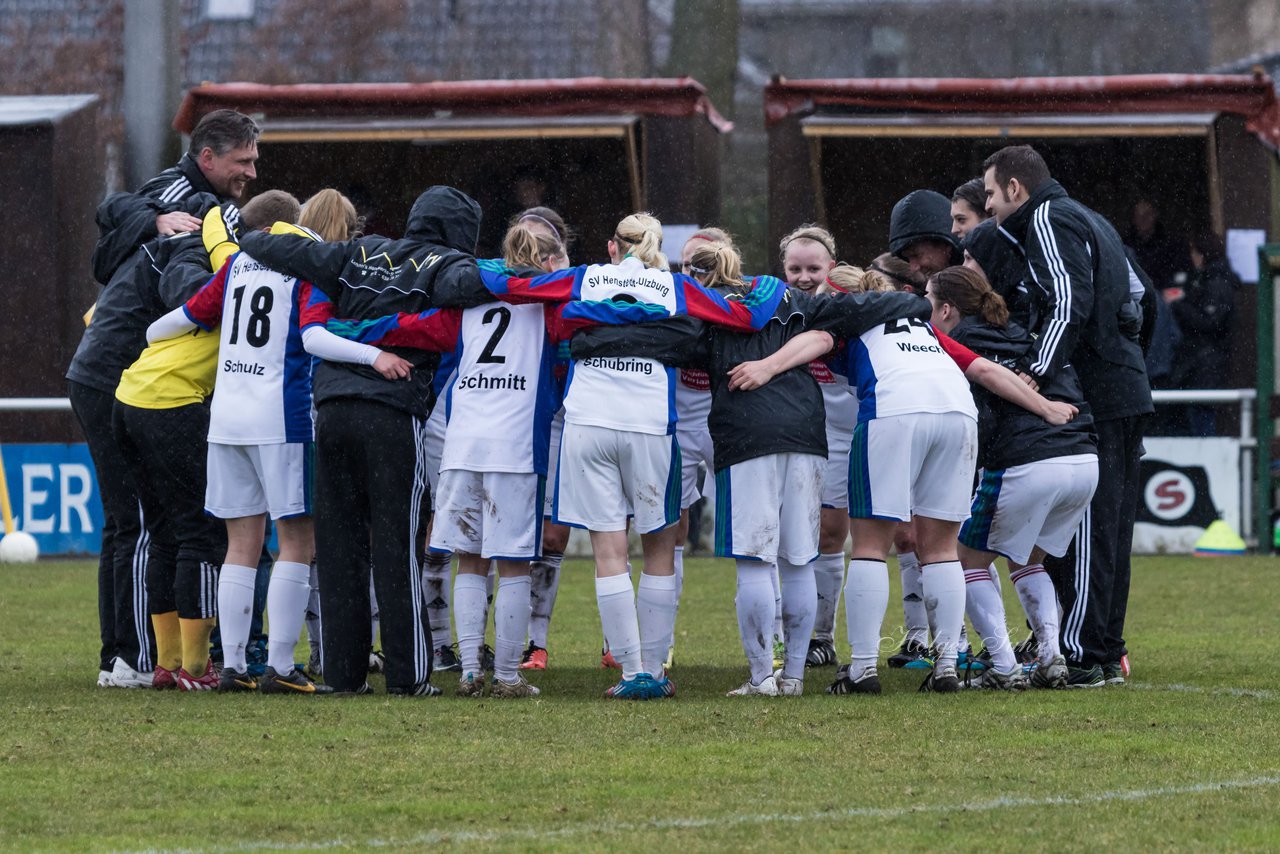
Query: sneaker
x=124, y=676
x=446, y=659
x=943, y=680
x=234, y=681
x=779, y=653
x=1113, y=673
x=534, y=658
x=607, y=661
x=1027, y=651
x=164, y=679
x=471, y=685
x=1085, y=677
x=486, y=658
x=422, y=689
x=822, y=653
x=868, y=682
x=768, y=687
x=377, y=661
x=911, y=652
x=255, y=657
x=642, y=687
x=293, y=682
x=1050, y=674
x=207, y=682
x=788, y=687
x=513, y=690
x=993, y=680
x=104, y=679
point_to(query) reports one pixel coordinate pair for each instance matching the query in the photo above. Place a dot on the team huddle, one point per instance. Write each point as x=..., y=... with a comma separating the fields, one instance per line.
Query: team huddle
x=398, y=406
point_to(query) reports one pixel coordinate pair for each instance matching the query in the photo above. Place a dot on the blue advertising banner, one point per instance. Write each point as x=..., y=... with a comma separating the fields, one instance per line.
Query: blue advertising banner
x=54, y=493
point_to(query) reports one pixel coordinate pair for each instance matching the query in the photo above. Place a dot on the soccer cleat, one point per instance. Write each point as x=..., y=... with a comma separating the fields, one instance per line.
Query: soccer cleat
x=471, y=685
x=1113, y=673
x=642, y=687
x=822, y=653
x=788, y=687
x=607, y=661
x=1050, y=674
x=941, y=681
x=966, y=660
x=1085, y=677
x=911, y=652
x=993, y=680
x=359, y=692
x=293, y=682
x=164, y=680
x=207, y=682
x=124, y=676
x=779, y=653
x=1027, y=651
x=662, y=689
x=513, y=690
x=534, y=658
x=486, y=658
x=446, y=659
x=868, y=682
x=768, y=687
x=233, y=681
x=422, y=689
x=377, y=662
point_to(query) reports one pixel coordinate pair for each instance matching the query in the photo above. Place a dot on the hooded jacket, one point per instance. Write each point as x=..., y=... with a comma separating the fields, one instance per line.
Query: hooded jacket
x=369, y=277
x=1083, y=310
x=922, y=215
x=1009, y=435
x=1004, y=267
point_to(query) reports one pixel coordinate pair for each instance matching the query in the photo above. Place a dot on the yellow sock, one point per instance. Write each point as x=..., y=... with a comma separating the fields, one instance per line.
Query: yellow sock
x=168, y=640
x=195, y=645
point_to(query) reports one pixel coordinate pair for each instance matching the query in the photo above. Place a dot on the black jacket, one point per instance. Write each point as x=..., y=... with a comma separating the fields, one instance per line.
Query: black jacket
x=157, y=278
x=1009, y=435
x=1083, y=313
x=370, y=277
x=1003, y=265
x=127, y=220
x=922, y=215
x=1204, y=317
x=787, y=414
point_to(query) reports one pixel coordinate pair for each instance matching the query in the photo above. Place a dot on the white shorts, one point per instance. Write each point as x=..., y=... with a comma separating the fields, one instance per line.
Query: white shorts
x=770, y=507
x=920, y=464
x=246, y=480
x=835, y=476
x=553, y=463
x=695, y=450
x=492, y=514
x=1036, y=504
x=435, y=446
x=606, y=475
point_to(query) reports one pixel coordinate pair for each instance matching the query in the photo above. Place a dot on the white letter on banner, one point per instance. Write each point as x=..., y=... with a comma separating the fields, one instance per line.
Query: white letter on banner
x=77, y=501
x=33, y=498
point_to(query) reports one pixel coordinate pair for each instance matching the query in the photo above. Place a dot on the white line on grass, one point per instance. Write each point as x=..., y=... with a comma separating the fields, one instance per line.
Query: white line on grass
x=1256, y=693
x=1004, y=802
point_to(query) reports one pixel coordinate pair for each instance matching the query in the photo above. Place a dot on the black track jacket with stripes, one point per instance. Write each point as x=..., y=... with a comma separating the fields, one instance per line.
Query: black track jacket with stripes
x=1083, y=310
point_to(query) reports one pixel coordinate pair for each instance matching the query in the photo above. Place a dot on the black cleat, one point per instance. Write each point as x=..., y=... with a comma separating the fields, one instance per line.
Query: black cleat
x=941, y=682
x=867, y=683
x=1027, y=651
x=446, y=659
x=422, y=689
x=293, y=682
x=486, y=658
x=822, y=653
x=1085, y=677
x=236, y=682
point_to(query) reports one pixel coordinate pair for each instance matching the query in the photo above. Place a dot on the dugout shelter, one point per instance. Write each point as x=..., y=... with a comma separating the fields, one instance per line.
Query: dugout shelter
x=594, y=149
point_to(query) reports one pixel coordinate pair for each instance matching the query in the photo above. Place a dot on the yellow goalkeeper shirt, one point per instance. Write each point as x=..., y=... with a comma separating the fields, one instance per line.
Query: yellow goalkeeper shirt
x=172, y=373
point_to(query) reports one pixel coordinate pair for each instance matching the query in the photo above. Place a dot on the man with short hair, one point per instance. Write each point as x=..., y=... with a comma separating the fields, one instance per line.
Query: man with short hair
x=920, y=232
x=1083, y=295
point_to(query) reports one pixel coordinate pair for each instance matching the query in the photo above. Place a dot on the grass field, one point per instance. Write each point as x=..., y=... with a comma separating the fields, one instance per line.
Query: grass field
x=1186, y=757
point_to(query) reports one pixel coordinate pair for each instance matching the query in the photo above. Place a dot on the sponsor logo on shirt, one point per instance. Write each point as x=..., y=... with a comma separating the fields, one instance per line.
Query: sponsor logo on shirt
x=626, y=366
x=820, y=372
x=632, y=283
x=695, y=379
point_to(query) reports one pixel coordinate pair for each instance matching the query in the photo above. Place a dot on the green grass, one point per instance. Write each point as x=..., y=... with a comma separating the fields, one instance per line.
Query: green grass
x=85, y=769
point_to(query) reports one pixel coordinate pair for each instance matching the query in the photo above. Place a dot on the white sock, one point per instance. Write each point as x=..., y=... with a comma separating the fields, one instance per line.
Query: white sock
x=544, y=579
x=799, y=609
x=656, y=601
x=914, y=616
x=469, y=618
x=828, y=575
x=777, y=608
x=866, y=598
x=986, y=611
x=235, y=612
x=435, y=595
x=616, y=600
x=287, y=596
x=510, y=625
x=943, y=584
x=1040, y=601
x=679, y=577
x=755, y=615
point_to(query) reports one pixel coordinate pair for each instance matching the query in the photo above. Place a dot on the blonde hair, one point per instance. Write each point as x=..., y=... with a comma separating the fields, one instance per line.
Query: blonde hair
x=899, y=272
x=331, y=215
x=856, y=280
x=808, y=231
x=641, y=236
x=524, y=247
x=717, y=264
x=711, y=234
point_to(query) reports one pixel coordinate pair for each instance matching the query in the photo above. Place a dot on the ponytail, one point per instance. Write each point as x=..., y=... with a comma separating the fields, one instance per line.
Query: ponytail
x=971, y=294
x=717, y=265
x=855, y=280
x=331, y=215
x=640, y=236
x=524, y=247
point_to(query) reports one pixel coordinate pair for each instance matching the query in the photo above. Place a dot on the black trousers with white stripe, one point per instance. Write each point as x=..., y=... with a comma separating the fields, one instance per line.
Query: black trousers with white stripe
x=123, y=621
x=371, y=509
x=166, y=451
x=1092, y=579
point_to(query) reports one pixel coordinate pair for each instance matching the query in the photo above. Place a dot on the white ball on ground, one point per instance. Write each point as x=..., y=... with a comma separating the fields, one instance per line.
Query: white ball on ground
x=18, y=547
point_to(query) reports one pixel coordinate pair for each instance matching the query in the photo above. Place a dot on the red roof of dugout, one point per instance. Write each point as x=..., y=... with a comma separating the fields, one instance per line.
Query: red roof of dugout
x=681, y=96
x=1251, y=96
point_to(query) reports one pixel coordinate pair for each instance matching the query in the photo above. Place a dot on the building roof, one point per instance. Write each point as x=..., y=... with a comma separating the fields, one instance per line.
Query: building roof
x=20, y=110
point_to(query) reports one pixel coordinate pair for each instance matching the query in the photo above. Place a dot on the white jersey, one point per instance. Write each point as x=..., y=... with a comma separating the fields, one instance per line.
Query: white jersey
x=262, y=392
x=501, y=400
x=899, y=368
x=624, y=392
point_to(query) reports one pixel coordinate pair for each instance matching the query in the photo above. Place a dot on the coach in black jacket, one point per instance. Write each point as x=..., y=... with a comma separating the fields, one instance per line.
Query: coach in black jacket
x=1083, y=296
